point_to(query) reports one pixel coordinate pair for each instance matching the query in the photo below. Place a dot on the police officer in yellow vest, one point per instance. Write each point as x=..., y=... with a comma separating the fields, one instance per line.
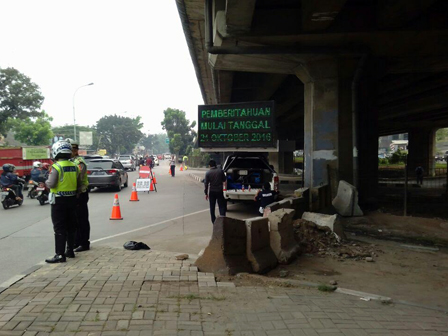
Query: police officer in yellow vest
x=82, y=235
x=64, y=182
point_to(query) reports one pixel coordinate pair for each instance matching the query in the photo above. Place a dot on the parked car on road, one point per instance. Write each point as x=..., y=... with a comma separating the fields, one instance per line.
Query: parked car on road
x=88, y=158
x=156, y=160
x=104, y=173
x=128, y=161
x=245, y=175
x=167, y=156
x=160, y=156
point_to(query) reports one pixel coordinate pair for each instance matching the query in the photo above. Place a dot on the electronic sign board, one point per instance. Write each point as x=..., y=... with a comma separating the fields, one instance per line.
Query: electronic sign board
x=237, y=125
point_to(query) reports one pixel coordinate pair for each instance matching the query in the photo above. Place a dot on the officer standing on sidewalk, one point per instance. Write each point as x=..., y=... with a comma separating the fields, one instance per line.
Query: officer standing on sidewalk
x=82, y=235
x=63, y=181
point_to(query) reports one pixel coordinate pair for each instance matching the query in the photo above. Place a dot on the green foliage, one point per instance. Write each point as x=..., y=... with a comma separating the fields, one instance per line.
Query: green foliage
x=198, y=158
x=180, y=132
x=398, y=157
x=19, y=97
x=66, y=131
x=32, y=131
x=118, y=135
x=442, y=134
x=156, y=142
x=384, y=161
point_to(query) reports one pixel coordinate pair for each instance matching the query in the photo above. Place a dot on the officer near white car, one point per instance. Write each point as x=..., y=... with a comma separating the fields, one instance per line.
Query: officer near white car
x=64, y=182
x=82, y=235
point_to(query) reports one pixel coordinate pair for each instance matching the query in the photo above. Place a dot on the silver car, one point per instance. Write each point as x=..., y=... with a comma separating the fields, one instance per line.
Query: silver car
x=128, y=161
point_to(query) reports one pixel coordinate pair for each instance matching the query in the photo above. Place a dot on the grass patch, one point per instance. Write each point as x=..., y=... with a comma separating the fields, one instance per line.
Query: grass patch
x=326, y=288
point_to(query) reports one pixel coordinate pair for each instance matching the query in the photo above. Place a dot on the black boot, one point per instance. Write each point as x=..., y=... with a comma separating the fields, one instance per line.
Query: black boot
x=69, y=253
x=58, y=258
x=82, y=248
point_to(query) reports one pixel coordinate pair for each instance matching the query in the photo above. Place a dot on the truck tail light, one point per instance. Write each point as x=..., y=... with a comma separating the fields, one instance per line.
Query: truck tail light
x=276, y=182
x=224, y=186
x=89, y=172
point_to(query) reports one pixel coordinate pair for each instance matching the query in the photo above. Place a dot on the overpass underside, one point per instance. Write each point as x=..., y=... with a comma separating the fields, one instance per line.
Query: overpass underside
x=341, y=72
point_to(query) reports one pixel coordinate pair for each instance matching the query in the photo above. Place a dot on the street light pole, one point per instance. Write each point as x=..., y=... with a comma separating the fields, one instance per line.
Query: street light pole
x=74, y=119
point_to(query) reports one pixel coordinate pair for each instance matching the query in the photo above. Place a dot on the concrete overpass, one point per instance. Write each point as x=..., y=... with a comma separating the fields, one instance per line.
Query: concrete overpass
x=342, y=73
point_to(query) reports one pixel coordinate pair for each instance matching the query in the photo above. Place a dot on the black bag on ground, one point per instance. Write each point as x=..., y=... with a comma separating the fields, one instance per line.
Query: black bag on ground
x=133, y=245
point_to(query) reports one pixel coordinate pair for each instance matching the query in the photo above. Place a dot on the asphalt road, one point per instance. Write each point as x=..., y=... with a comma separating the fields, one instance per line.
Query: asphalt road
x=175, y=218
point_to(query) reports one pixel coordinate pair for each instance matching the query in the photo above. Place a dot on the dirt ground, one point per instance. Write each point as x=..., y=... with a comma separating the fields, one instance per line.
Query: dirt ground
x=419, y=276
x=402, y=270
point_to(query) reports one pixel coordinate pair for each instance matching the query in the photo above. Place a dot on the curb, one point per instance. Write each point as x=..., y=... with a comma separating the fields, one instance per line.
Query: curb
x=197, y=178
x=362, y=295
x=8, y=283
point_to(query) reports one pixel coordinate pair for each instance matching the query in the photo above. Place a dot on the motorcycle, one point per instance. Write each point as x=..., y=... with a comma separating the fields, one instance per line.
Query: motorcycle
x=32, y=186
x=42, y=193
x=9, y=197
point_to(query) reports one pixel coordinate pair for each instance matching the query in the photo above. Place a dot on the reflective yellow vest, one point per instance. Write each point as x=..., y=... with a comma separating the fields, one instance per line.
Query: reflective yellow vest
x=85, y=180
x=67, y=180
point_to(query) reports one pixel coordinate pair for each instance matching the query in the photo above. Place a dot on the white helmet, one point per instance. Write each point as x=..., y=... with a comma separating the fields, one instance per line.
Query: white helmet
x=61, y=147
x=72, y=142
x=37, y=164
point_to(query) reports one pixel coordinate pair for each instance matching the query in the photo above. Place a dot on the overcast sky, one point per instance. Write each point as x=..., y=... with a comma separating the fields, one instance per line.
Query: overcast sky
x=134, y=52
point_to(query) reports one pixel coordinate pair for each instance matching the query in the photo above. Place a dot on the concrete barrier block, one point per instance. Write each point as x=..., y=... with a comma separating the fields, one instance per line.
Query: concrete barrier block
x=285, y=204
x=282, y=239
x=259, y=251
x=346, y=200
x=270, y=208
x=226, y=253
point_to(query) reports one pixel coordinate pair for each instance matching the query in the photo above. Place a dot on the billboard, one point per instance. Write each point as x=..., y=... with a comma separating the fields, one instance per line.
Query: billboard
x=85, y=138
x=238, y=125
x=35, y=153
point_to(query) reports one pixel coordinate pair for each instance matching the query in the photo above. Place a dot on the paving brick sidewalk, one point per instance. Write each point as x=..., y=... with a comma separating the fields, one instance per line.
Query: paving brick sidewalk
x=109, y=291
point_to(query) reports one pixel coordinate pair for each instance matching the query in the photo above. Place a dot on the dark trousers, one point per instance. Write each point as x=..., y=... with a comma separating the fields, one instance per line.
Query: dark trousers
x=214, y=196
x=17, y=189
x=63, y=215
x=82, y=221
x=173, y=170
x=419, y=179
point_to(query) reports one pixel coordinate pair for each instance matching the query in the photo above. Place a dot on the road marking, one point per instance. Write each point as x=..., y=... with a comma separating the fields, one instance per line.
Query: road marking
x=149, y=226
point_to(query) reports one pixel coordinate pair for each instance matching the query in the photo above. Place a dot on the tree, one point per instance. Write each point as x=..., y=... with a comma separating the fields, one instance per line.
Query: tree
x=66, y=131
x=441, y=134
x=180, y=132
x=19, y=97
x=32, y=131
x=119, y=134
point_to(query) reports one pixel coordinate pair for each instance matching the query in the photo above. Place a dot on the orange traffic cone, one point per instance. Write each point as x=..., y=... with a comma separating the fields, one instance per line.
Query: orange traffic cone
x=151, y=187
x=181, y=168
x=154, y=178
x=116, y=213
x=134, y=196
x=169, y=171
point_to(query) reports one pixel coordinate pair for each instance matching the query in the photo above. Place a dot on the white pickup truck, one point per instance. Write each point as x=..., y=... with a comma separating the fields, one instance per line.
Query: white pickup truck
x=245, y=175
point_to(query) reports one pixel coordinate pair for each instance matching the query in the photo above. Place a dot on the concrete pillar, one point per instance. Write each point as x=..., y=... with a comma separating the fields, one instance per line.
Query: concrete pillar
x=328, y=122
x=366, y=163
x=422, y=150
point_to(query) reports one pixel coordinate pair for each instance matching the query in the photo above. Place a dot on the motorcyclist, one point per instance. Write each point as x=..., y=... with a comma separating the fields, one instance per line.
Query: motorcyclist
x=36, y=172
x=11, y=180
x=45, y=171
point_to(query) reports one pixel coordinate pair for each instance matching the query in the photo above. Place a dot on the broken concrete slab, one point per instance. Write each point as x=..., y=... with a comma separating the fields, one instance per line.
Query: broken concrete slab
x=330, y=221
x=226, y=253
x=346, y=200
x=259, y=251
x=282, y=239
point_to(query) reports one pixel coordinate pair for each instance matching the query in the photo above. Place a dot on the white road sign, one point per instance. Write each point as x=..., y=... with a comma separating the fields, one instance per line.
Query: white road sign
x=142, y=184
